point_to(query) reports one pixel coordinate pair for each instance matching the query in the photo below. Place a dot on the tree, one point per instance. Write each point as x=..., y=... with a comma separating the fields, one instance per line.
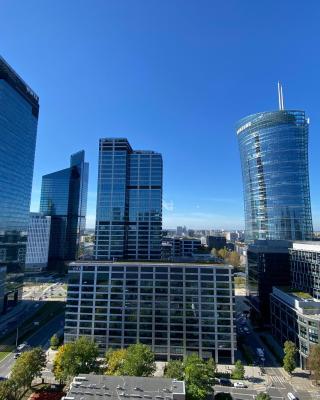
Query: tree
x=114, y=361
x=289, y=362
x=79, y=357
x=9, y=390
x=314, y=361
x=139, y=361
x=238, y=372
x=27, y=367
x=54, y=342
x=234, y=258
x=222, y=253
x=199, y=377
x=263, y=396
x=174, y=370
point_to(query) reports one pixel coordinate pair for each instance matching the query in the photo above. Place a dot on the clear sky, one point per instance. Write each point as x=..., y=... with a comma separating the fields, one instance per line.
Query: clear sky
x=172, y=76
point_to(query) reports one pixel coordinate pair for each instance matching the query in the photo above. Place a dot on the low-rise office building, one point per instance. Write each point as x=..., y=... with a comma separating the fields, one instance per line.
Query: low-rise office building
x=38, y=242
x=176, y=308
x=175, y=248
x=295, y=316
x=129, y=387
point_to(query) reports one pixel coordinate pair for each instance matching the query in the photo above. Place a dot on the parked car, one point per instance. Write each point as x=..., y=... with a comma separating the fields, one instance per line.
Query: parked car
x=239, y=385
x=17, y=355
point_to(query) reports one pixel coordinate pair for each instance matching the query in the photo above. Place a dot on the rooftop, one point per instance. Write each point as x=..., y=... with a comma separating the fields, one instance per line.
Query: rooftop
x=125, y=387
x=152, y=263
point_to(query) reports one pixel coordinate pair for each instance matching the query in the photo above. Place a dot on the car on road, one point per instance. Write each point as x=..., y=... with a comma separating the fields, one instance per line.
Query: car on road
x=17, y=355
x=291, y=396
x=240, y=385
x=21, y=347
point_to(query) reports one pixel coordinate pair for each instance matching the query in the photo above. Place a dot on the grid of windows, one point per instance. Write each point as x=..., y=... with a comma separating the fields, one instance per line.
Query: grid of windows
x=176, y=308
x=274, y=158
x=129, y=202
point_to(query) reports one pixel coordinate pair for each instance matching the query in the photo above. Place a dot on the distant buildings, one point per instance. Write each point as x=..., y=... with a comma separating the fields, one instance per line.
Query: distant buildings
x=115, y=387
x=175, y=308
x=216, y=242
x=38, y=242
x=274, y=158
x=64, y=198
x=19, y=110
x=129, y=202
x=295, y=310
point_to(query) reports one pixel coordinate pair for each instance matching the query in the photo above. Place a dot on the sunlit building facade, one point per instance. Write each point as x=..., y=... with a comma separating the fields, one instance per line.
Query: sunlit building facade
x=274, y=160
x=19, y=110
x=129, y=202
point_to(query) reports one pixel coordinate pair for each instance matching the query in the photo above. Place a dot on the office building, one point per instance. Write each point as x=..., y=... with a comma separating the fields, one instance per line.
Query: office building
x=38, y=242
x=268, y=265
x=64, y=198
x=216, y=242
x=295, y=310
x=274, y=159
x=295, y=316
x=19, y=110
x=129, y=202
x=177, y=248
x=134, y=387
x=305, y=267
x=175, y=308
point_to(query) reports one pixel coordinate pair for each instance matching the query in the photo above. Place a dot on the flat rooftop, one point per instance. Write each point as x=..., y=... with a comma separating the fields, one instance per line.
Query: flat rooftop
x=200, y=263
x=125, y=387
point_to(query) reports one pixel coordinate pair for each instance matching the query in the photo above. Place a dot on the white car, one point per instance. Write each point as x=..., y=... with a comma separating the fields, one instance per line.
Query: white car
x=239, y=385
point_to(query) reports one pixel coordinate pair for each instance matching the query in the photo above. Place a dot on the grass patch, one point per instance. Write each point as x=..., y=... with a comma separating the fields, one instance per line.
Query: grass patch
x=3, y=354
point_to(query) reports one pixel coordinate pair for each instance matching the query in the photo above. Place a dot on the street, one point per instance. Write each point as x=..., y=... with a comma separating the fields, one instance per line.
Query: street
x=39, y=338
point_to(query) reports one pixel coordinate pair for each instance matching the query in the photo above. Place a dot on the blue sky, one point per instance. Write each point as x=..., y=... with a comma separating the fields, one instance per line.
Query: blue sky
x=172, y=76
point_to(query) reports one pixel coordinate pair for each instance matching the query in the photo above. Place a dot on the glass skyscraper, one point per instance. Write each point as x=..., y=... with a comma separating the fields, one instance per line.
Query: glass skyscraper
x=129, y=202
x=64, y=198
x=19, y=110
x=274, y=160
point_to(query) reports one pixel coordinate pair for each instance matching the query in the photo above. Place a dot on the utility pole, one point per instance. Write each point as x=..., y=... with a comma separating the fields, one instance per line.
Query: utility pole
x=17, y=336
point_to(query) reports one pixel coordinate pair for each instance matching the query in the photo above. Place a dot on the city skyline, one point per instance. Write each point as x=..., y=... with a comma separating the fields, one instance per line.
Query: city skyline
x=165, y=91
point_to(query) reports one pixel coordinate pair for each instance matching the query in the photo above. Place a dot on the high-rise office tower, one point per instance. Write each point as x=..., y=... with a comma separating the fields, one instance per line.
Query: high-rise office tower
x=19, y=110
x=64, y=198
x=129, y=202
x=274, y=159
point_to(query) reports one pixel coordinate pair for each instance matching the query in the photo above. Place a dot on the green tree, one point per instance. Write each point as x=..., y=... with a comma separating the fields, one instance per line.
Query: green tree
x=289, y=362
x=174, y=370
x=79, y=357
x=139, y=361
x=238, y=372
x=9, y=390
x=54, y=342
x=28, y=367
x=114, y=360
x=263, y=396
x=199, y=377
x=223, y=253
x=314, y=361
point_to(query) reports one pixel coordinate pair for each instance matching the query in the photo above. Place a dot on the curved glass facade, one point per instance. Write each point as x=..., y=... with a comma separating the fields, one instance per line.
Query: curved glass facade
x=274, y=159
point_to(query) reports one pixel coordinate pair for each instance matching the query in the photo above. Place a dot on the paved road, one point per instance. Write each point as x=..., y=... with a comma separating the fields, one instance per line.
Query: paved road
x=40, y=338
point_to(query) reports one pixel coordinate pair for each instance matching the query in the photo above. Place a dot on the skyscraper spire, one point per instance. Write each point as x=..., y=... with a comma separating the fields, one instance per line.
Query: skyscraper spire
x=280, y=96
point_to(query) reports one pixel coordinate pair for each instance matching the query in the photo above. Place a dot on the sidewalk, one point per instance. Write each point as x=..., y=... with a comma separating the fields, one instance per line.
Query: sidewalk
x=253, y=377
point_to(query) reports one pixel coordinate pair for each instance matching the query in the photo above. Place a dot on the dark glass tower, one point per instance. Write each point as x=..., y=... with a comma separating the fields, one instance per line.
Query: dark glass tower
x=129, y=202
x=274, y=160
x=64, y=198
x=19, y=110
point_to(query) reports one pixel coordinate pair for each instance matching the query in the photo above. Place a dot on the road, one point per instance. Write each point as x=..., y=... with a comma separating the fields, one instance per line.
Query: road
x=39, y=338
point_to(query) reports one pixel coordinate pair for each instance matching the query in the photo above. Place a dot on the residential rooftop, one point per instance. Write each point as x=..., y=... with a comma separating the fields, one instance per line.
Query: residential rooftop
x=125, y=387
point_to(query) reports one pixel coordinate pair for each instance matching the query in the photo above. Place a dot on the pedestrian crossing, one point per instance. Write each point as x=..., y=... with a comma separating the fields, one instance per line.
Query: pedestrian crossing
x=277, y=379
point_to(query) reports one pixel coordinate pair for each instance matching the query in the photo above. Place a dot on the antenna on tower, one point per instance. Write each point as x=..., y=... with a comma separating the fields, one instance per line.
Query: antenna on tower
x=280, y=97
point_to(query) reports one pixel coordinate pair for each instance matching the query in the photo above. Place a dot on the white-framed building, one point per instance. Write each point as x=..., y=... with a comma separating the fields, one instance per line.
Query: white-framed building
x=175, y=308
x=38, y=242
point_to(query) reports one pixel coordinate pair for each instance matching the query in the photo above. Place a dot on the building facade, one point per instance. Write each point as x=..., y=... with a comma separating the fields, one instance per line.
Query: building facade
x=305, y=267
x=129, y=202
x=268, y=265
x=274, y=160
x=216, y=242
x=38, y=242
x=19, y=110
x=64, y=198
x=295, y=316
x=175, y=308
